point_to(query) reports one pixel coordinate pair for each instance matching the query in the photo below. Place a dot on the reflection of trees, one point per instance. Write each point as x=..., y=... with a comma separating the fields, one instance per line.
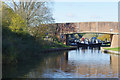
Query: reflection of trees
x=19, y=70
x=66, y=56
x=93, y=69
x=52, y=63
x=64, y=64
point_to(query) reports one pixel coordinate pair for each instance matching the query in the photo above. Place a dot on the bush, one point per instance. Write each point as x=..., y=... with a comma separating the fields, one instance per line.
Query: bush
x=102, y=37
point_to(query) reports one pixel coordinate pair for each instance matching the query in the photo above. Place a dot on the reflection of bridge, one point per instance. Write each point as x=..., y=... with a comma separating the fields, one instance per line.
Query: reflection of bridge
x=111, y=63
x=111, y=28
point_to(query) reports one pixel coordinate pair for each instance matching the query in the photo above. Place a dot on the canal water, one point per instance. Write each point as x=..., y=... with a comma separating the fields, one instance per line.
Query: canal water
x=79, y=63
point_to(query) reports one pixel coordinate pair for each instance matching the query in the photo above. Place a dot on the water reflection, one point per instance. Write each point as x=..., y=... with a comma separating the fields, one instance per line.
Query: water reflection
x=80, y=63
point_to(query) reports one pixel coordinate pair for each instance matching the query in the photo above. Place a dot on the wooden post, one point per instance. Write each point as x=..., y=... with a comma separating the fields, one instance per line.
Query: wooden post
x=66, y=56
x=67, y=39
x=111, y=35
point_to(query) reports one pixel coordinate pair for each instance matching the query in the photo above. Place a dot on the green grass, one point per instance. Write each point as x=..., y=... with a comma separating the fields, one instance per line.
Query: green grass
x=113, y=49
x=18, y=47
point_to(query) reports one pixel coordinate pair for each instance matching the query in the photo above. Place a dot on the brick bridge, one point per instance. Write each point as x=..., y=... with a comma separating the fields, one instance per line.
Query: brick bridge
x=111, y=28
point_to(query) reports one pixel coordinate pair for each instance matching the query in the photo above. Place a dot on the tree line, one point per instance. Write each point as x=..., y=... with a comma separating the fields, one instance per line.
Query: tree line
x=27, y=16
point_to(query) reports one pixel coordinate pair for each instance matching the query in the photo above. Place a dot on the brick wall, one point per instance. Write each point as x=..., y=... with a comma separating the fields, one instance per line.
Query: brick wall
x=88, y=26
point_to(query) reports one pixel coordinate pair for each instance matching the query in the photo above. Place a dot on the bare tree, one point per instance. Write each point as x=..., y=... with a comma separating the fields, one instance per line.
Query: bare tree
x=34, y=12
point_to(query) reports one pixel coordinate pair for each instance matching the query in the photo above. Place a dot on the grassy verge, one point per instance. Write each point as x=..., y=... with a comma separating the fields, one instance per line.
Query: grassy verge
x=18, y=47
x=113, y=49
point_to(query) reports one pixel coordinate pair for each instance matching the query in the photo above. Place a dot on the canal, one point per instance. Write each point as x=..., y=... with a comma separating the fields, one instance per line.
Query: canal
x=79, y=63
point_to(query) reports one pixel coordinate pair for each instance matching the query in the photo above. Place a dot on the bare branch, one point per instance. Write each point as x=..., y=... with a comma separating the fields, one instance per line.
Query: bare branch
x=36, y=9
x=26, y=5
x=31, y=8
x=15, y=5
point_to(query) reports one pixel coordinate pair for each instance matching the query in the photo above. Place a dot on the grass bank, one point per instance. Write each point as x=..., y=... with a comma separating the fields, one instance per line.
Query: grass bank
x=21, y=46
x=113, y=49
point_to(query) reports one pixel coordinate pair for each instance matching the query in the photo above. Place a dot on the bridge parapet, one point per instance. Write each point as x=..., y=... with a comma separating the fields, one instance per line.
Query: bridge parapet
x=89, y=27
x=111, y=28
x=99, y=26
